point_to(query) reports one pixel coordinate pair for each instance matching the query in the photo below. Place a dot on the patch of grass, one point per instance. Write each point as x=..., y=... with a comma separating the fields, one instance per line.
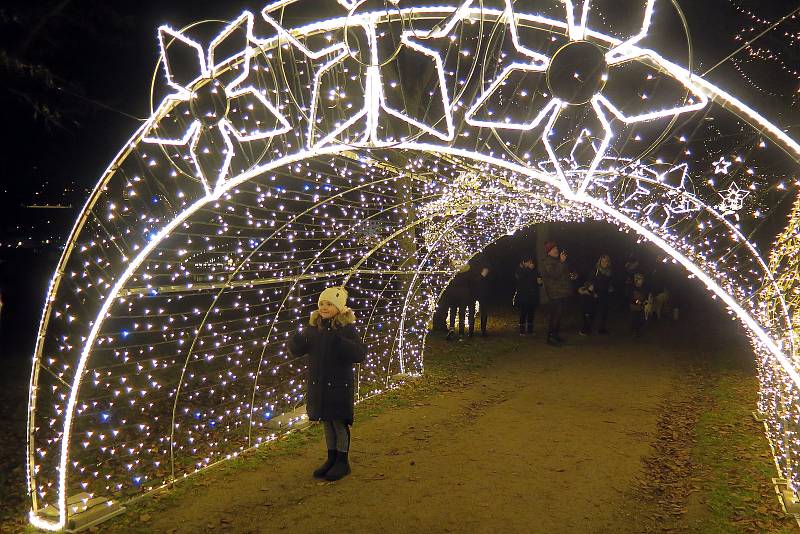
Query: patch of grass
x=448, y=365
x=734, y=462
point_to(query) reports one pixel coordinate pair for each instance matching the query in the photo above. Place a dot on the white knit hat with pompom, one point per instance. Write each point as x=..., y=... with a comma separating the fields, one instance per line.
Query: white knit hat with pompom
x=336, y=295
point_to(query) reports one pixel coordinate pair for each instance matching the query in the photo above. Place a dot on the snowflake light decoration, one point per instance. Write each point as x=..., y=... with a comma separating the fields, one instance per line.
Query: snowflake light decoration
x=679, y=201
x=372, y=97
x=675, y=201
x=602, y=104
x=207, y=86
x=732, y=199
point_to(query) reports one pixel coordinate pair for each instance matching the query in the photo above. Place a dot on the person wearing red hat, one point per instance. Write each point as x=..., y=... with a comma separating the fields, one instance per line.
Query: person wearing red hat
x=557, y=280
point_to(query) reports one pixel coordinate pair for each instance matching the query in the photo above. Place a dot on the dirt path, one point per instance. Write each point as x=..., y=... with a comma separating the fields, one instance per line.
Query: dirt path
x=540, y=440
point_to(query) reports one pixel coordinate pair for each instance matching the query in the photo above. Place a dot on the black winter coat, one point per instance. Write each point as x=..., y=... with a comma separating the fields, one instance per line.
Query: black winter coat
x=480, y=288
x=639, y=297
x=459, y=291
x=527, y=286
x=333, y=348
x=602, y=283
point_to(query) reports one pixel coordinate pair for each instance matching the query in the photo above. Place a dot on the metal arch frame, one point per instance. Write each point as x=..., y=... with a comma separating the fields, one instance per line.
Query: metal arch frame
x=332, y=150
x=791, y=147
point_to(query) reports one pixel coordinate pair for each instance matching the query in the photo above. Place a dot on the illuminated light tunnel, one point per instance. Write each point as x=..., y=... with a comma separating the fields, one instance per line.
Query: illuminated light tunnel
x=379, y=148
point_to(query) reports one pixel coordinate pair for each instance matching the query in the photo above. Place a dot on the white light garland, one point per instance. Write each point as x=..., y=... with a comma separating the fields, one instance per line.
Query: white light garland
x=183, y=295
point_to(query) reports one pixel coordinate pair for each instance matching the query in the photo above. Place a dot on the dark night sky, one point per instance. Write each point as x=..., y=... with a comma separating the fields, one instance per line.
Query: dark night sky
x=102, y=55
x=105, y=52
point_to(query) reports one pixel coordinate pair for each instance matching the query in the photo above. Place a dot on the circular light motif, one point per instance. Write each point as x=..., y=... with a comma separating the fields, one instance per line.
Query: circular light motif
x=209, y=103
x=577, y=72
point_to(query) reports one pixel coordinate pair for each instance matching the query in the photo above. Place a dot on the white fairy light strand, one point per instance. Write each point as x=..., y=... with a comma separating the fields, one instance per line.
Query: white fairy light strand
x=375, y=106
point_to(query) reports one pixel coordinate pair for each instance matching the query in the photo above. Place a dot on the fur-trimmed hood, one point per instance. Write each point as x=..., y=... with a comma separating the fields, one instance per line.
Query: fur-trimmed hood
x=343, y=318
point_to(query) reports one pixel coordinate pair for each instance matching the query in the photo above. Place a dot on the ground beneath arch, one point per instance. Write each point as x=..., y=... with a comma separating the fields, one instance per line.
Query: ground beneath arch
x=607, y=434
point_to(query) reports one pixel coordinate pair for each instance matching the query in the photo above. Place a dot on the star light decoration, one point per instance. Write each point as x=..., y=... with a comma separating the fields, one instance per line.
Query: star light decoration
x=679, y=200
x=206, y=85
x=662, y=211
x=732, y=200
x=602, y=104
x=722, y=165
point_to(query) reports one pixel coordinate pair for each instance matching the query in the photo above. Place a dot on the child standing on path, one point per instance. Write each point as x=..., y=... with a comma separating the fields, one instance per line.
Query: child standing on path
x=333, y=347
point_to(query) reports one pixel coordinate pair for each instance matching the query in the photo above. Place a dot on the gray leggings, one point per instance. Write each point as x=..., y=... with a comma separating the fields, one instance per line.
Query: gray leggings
x=337, y=435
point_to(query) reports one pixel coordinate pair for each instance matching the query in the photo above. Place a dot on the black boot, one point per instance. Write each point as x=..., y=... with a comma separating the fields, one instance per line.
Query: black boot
x=324, y=468
x=340, y=469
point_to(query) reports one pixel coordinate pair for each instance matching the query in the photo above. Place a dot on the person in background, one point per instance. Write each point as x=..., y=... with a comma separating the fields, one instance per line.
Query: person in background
x=677, y=286
x=631, y=268
x=658, y=285
x=526, y=299
x=641, y=301
x=557, y=280
x=439, y=320
x=333, y=346
x=480, y=293
x=603, y=287
x=589, y=298
x=459, y=295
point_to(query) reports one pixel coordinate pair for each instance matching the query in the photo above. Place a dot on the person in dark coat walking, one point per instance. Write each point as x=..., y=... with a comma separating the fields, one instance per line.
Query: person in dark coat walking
x=526, y=299
x=602, y=282
x=480, y=293
x=557, y=280
x=640, y=303
x=588, y=297
x=458, y=295
x=632, y=266
x=333, y=346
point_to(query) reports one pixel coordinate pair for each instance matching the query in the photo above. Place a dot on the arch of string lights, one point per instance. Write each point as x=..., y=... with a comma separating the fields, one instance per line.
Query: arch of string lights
x=380, y=148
